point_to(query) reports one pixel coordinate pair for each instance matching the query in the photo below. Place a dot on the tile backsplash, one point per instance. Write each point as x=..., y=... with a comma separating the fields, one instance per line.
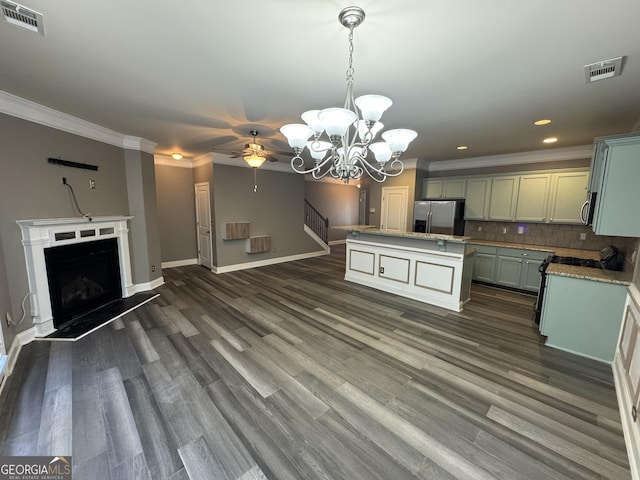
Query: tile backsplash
x=551, y=235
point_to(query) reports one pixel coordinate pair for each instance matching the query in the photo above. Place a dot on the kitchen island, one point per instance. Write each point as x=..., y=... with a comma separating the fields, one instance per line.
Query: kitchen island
x=431, y=268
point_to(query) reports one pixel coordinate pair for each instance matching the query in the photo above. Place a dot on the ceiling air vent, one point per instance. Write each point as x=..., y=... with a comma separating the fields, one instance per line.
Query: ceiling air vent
x=22, y=16
x=604, y=69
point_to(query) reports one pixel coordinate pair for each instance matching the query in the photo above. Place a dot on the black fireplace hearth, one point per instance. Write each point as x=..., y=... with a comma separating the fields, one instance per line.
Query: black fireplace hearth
x=82, y=278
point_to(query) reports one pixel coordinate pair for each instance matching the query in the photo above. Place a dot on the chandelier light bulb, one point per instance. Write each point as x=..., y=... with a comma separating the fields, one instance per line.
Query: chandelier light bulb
x=297, y=134
x=336, y=121
x=365, y=134
x=399, y=139
x=381, y=151
x=372, y=106
x=318, y=149
x=310, y=117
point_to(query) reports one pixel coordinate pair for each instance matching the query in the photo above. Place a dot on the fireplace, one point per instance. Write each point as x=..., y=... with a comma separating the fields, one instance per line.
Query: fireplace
x=82, y=277
x=74, y=266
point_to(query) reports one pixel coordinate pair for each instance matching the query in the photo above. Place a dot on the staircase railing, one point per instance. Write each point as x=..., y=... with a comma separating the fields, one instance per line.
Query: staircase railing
x=316, y=222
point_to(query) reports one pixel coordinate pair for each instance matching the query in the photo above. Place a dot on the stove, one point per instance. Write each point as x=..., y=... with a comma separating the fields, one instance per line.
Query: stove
x=579, y=262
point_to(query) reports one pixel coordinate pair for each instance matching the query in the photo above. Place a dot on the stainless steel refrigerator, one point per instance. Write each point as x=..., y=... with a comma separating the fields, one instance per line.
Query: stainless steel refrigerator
x=439, y=216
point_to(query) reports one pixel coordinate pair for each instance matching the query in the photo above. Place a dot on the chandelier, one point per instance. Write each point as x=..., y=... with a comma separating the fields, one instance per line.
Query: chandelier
x=350, y=131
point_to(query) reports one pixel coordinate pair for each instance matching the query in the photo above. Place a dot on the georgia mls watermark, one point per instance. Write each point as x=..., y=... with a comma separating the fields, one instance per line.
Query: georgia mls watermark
x=35, y=468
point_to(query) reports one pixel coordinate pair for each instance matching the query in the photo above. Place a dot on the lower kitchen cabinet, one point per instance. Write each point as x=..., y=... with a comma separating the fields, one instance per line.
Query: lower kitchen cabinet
x=582, y=316
x=509, y=267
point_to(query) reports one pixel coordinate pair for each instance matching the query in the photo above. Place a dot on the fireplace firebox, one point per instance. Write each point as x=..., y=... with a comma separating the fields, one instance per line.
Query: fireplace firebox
x=82, y=277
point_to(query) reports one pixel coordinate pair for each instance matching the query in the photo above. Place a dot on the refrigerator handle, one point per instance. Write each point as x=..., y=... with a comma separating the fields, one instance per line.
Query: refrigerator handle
x=429, y=218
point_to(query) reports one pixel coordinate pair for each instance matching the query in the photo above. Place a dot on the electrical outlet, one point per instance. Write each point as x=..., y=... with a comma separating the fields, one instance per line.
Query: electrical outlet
x=64, y=180
x=92, y=184
x=583, y=236
x=504, y=230
x=9, y=319
x=153, y=268
x=480, y=228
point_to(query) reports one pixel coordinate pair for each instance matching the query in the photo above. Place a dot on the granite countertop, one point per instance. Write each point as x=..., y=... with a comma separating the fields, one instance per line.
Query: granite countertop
x=395, y=233
x=593, y=274
x=564, y=252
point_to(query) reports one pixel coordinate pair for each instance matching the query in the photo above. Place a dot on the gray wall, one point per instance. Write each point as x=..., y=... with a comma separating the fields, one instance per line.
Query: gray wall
x=407, y=178
x=176, y=213
x=144, y=237
x=276, y=209
x=337, y=202
x=32, y=188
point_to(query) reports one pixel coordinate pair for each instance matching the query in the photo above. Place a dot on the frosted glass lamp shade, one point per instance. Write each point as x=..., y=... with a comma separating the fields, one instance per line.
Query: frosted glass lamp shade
x=254, y=160
x=318, y=150
x=381, y=151
x=297, y=134
x=372, y=106
x=310, y=117
x=336, y=120
x=362, y=130
x=399, y=139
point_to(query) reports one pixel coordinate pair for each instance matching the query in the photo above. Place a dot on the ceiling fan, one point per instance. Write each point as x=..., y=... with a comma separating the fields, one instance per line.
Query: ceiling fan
x=254, y=149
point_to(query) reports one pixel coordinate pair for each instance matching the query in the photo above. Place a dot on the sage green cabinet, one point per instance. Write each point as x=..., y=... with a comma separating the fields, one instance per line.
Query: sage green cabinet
x=568, y=193
x=518, y=268
x=582, y=316
x=476, y=205
x=533, y=196
x=484, y=264
x=504, y=197
x=444, y=188
x=616, y=171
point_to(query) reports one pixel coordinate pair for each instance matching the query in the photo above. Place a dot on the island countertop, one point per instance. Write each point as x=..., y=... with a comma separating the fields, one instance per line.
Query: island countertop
x=394, y=233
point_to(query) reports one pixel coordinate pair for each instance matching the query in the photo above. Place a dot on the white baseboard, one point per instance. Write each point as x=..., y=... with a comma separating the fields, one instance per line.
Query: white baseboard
x=180, y=263
x=338, y=242
x=629, y=427
x=145, y=287
x=20, y=340
x=270, y=261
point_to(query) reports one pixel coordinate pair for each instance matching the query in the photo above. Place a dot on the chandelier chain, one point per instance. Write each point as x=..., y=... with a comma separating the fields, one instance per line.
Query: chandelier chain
x=350, y=68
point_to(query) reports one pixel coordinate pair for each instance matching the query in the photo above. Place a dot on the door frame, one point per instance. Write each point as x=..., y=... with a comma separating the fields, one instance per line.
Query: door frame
x=196, y=186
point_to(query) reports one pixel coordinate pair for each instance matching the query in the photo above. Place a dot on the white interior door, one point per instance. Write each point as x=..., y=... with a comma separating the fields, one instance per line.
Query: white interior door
x=393, y=213
x=203, y=222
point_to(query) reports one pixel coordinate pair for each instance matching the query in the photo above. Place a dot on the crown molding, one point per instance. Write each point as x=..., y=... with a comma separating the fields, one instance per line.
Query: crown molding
x=522, y=158
x=33, y=112
x=202, y=160
x=138, y=143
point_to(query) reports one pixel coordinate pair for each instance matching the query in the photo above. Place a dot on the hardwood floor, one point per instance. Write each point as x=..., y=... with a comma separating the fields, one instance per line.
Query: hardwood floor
x=288, y=372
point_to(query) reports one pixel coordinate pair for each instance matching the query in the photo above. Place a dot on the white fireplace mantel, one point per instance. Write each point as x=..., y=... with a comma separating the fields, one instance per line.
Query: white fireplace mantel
x=38, y=235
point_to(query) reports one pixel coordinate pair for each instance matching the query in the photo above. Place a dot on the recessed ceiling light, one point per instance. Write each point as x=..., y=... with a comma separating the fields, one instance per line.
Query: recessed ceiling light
x=544, y=121
x=550, y=140
x=176, y=156
x=462, y=147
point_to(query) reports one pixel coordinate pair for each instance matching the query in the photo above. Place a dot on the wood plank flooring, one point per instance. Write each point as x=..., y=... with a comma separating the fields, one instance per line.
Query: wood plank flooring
x=288, y=372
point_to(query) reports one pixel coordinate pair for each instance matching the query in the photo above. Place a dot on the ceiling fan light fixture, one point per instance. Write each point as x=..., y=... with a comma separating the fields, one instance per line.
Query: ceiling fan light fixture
x=254, y=160
x=350, y=129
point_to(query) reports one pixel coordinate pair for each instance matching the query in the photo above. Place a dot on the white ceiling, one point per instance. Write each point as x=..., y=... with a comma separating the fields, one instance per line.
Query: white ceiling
x=196, y=76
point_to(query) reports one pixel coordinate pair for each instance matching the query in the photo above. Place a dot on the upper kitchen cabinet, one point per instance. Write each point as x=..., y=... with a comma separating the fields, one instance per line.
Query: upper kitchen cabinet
x=533, y=194
x=478, y=196
x=444, y=188
x=504, y=197
x=615, y=171
x=568, y=193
